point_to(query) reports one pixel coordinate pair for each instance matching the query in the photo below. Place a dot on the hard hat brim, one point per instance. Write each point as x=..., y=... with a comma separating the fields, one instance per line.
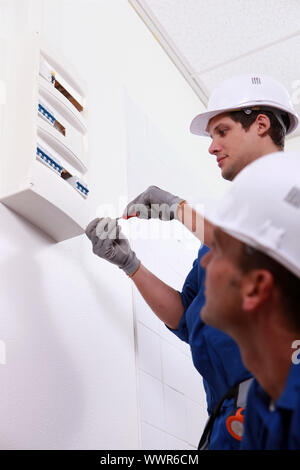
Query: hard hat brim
x=252, y=241
x=200, y=122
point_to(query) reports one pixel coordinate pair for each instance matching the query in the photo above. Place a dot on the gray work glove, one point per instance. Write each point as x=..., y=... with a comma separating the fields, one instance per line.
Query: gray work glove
x=109, y=243
x=154, y=203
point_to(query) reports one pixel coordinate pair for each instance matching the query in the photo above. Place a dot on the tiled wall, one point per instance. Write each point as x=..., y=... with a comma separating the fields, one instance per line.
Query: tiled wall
x=171, y=396
x=170, y=390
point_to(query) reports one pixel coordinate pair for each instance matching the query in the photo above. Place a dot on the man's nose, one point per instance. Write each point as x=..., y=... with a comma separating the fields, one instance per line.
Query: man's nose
x=214, y=148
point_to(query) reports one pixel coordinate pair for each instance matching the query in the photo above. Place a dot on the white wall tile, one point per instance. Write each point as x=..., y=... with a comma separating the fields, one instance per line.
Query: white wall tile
x=196, y=420
x=180, y=260
x=168, y=275
x=185, y=348
x=142, y=243
x=151, y=400
x=175, y=413
x=172, y=443
x=148, y=349
x=180, y=373
x=192, y=381
x=144, y=314
x=152, y=438
x=170, y=337
x=173, y=363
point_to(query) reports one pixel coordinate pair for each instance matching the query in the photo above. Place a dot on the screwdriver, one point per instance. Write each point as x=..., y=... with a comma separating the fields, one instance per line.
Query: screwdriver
x=128, y=217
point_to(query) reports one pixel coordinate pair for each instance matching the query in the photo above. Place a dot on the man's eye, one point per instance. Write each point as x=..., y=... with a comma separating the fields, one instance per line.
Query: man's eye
x=222, y=132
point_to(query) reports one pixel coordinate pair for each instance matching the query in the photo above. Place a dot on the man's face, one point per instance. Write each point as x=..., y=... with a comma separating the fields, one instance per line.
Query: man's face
x=233, y=146
x=223, y=283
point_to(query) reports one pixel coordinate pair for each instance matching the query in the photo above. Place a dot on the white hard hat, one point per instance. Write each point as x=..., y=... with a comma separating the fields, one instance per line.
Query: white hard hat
x=262, y=208
x=246, y=92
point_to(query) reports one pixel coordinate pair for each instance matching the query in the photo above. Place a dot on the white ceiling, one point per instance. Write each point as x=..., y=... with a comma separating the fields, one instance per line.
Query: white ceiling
x=221, y=38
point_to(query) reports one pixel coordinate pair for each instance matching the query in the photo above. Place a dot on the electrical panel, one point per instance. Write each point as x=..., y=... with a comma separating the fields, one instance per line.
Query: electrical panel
x=43, y=158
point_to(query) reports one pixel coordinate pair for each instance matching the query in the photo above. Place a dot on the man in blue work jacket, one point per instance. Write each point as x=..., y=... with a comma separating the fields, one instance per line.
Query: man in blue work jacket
x=254, y=263
x=247, y=117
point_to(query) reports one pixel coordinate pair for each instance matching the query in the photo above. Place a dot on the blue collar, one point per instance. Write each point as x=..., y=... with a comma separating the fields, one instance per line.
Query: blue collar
x=289, y=398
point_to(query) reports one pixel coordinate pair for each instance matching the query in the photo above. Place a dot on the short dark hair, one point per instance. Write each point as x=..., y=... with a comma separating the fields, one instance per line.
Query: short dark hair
x=287, y=283
x=276, y=131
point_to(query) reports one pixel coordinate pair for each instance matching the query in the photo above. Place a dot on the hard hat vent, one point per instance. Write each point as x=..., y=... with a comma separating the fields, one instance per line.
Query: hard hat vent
x=293, y=197
x=256, y=81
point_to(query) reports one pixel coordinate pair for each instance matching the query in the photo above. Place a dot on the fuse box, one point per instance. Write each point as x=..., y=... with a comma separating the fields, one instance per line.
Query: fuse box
x=43, y=161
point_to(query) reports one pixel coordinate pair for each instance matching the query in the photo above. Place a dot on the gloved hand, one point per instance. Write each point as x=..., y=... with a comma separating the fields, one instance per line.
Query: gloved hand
x=109, y=243
x=154, y=203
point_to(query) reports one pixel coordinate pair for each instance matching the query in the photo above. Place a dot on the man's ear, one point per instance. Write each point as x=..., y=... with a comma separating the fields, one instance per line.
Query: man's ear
x=263, y=124
x=256, y=289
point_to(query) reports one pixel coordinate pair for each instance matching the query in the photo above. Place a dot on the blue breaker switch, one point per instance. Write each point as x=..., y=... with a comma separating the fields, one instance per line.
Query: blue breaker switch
x=78, y=185
x=49, y=160
x=46, y=114
x=82, y=188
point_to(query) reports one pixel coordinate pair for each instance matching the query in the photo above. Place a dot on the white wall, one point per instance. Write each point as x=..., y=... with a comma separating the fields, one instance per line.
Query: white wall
x=292, y=144
x=140, y=88
x=70, y=375
x=69, y=345
x=66, y=318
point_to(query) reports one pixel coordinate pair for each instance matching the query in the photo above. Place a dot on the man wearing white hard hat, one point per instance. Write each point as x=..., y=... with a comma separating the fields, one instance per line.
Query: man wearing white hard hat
x=247, y=117
x=254, y=265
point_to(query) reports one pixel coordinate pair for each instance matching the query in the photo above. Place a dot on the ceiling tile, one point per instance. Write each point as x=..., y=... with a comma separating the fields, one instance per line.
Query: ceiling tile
x=212, y=33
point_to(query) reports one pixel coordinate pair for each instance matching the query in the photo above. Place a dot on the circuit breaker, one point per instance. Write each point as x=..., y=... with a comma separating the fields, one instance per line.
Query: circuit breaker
x=43, y=161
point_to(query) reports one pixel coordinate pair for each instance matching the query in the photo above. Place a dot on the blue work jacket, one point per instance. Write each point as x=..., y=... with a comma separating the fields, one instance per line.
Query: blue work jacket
x=277, y=427
x=215, y=355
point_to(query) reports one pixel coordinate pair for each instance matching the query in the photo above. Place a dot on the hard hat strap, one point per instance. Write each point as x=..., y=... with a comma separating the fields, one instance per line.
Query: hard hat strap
x=274, y=111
